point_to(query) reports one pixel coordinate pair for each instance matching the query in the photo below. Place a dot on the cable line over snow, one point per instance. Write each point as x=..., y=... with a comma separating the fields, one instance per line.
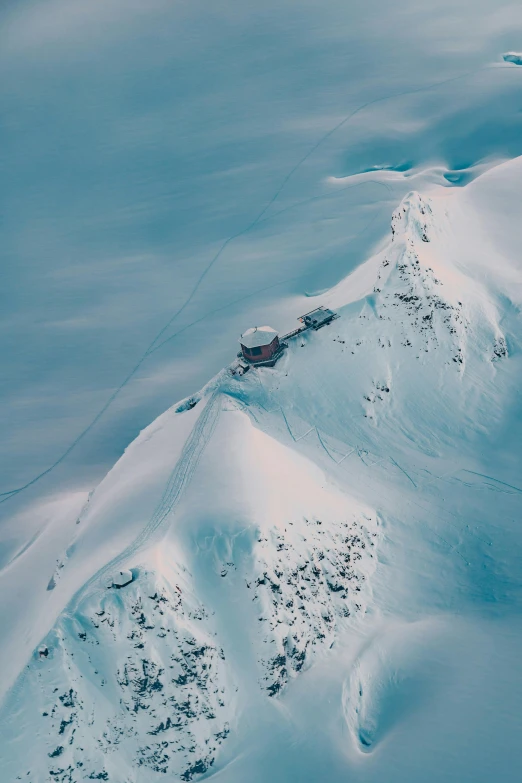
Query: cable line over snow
x=7, y=495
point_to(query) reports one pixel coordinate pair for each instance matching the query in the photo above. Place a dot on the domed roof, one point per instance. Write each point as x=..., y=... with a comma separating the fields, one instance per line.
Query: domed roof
x=258, y=336
x=122, y=578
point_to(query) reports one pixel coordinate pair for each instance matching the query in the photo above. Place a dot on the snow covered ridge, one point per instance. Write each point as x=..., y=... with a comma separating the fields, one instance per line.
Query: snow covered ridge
x=310, y=579
x=138, y=681
x=249, y=517
x=420, y=297
x=435, y=303
x=133, y=681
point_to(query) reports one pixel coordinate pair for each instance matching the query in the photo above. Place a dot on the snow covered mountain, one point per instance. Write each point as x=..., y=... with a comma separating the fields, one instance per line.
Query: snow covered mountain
x=325, y=555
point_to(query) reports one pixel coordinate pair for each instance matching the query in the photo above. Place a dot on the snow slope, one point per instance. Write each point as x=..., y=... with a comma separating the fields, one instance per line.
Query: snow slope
x=176, y=170
x=325, y=554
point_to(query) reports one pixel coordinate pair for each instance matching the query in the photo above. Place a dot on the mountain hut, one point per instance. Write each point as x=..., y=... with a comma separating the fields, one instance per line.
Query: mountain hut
x=260, y=344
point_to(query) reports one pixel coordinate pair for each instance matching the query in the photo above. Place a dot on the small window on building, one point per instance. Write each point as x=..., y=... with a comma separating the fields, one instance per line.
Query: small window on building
x=256, y=351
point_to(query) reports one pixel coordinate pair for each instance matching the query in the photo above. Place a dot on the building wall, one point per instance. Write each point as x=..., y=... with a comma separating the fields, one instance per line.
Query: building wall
x=265, y=351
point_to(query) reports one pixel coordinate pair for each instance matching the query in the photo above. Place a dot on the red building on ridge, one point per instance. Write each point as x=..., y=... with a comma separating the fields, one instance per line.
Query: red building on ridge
x=260, y=344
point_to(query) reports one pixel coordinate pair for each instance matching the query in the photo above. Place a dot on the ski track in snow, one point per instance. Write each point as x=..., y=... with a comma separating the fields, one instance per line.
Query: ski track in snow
x=296, y=277
x=7, y=495
x=179, y=479
x=413, y=307
x=360, y=452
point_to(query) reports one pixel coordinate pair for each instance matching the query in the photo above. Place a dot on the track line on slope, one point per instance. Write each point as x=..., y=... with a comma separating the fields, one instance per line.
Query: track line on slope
x=12, y=493
x=403, y=471
x=177, y=482
x=324, y=196
x=452, y=474
x=354, y=449
x=352, y=114
x=314, y=428
x=290, y=279
x=7, y=495
x=491, y=478
x=362, y=452
x=450, y=546
x=378, y=462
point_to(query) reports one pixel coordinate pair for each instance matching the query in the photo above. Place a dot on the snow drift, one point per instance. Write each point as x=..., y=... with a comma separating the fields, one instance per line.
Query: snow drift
x=312, y=547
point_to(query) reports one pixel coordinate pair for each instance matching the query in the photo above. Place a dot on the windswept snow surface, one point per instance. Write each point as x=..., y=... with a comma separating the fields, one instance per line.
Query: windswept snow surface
x=513, y=57
x=325, y=555
x=174, y=173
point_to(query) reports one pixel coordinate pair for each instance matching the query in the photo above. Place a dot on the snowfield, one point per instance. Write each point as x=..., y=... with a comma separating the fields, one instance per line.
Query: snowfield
x=325, y=555
x=310, y=572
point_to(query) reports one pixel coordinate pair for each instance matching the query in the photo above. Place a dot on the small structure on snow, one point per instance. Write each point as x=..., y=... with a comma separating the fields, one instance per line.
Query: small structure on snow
x=122, y=578
x=260, y=345
x=318, y=317
x=43, y=651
